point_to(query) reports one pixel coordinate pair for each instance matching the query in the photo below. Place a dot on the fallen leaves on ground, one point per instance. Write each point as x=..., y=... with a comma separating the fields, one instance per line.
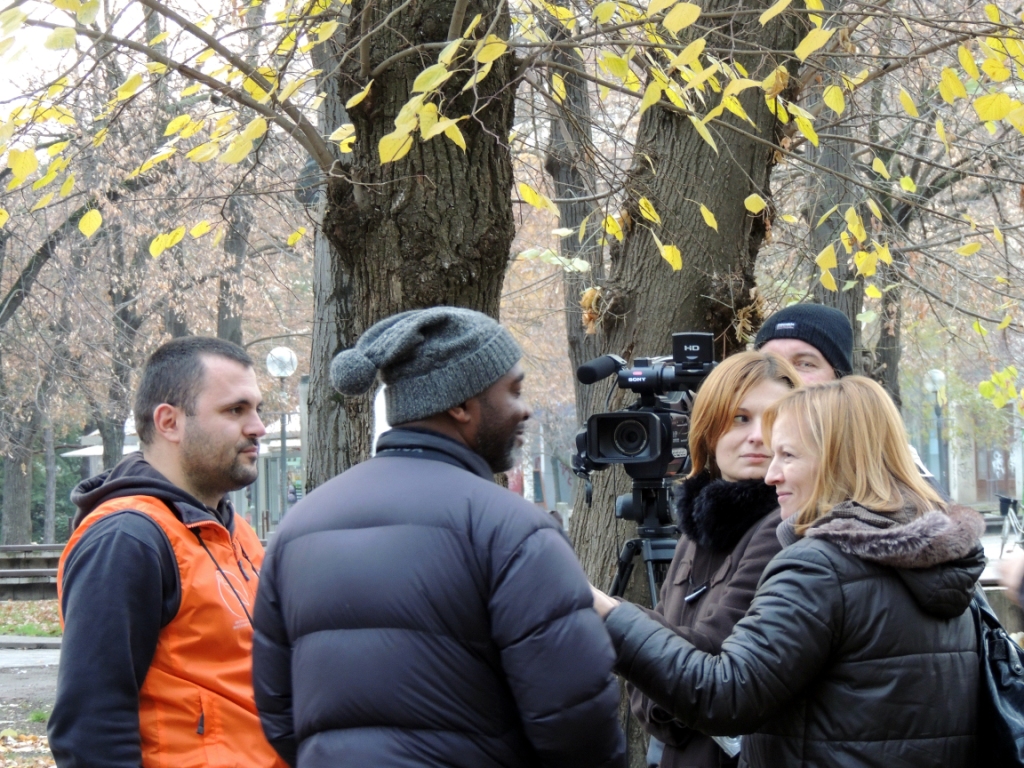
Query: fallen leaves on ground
x=29, y=617
x=23, y=750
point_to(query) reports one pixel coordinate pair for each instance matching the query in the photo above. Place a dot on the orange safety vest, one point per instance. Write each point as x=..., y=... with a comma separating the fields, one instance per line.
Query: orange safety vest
x=196, y=704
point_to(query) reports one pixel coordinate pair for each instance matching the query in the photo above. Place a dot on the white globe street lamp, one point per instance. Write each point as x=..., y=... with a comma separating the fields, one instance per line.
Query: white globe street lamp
x=281, y=363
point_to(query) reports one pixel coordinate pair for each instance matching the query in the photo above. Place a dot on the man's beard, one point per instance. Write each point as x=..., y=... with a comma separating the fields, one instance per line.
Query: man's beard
x=495, y=442
x=212, y=469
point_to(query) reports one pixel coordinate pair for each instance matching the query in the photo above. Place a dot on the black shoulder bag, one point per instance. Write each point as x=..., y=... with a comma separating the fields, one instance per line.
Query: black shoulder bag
x=1000, y=731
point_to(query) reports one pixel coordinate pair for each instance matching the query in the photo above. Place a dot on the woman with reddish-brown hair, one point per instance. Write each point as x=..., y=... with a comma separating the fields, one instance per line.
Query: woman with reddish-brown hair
x=728, y=517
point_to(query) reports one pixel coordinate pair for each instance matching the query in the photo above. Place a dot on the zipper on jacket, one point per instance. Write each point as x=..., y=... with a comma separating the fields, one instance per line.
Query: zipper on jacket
x=201, y=727
x=697, y=592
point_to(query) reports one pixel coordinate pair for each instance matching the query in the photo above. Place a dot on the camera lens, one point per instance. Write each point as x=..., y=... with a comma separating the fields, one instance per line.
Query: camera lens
x=630, y=437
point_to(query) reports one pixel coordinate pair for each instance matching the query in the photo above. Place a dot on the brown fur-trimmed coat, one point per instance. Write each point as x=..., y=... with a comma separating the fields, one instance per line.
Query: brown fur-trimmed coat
x=858, y=651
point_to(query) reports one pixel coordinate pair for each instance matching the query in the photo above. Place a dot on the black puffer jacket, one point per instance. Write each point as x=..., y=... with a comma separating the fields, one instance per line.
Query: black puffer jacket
x=413, y=613
x=859, y=650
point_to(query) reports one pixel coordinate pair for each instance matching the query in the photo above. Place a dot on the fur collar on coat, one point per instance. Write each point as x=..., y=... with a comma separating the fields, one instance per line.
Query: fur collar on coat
x=716, y=513
x=901, y=541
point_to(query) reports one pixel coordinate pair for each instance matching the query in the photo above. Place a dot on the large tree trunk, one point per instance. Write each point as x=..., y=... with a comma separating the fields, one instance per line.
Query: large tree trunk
x=230, y=292
x=432, y=228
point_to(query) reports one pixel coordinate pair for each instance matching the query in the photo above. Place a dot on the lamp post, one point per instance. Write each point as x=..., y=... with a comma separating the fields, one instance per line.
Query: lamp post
x=281, y=363
x=935, y=382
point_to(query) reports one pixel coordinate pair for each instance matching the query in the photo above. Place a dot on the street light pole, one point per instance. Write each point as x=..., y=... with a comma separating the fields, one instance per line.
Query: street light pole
x=281, y=363
x=934, y=382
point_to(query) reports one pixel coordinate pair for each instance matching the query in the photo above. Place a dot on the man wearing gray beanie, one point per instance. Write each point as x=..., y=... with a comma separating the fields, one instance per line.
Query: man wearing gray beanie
x=411, y=611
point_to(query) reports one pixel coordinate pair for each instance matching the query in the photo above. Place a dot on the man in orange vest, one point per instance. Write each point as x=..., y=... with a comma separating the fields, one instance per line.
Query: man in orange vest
x=158, y=581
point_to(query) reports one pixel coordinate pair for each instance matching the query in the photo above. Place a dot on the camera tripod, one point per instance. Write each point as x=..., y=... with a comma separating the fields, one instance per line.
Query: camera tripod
x=655, y=542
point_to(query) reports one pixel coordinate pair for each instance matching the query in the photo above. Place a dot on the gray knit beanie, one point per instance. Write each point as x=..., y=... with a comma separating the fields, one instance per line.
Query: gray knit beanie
x=430, y=359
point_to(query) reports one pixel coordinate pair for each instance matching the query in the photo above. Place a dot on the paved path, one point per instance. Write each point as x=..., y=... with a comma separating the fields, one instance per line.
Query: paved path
x=22, y=659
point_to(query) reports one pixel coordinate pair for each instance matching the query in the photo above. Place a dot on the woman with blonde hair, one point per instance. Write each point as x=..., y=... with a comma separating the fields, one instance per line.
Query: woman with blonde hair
x=859, y=648
x=728, y=517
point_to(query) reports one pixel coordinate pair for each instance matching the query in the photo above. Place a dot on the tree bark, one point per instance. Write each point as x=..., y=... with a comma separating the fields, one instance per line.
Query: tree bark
x=433, y=228
x=16, y=526
x=230, y=293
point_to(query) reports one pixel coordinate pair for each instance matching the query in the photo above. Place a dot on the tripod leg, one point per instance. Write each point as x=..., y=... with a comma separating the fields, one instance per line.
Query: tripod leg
x=652, y=583
x=625, y=568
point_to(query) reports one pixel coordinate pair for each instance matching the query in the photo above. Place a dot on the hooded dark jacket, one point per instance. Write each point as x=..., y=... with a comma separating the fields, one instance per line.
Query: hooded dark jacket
x=728, y=539
x=122, y=580
x=858, y=650
x=411, y=612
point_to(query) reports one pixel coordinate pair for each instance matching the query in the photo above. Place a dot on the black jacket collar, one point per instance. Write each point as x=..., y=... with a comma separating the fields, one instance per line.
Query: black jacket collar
x=419, y=443
x=716, y=513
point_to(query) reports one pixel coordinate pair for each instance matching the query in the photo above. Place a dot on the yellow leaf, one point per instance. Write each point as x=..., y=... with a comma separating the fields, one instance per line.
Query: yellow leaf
x=671, y=254
x=828, y=281
x=969, y=249
x=295, y=236
x=992, y=12
x=882, y=252
x=908, y=104
x=431, y=78
x=472, y=25
x=998, y=235
x=834, y=99
x=657, y=6
x=738, y=85
x=455, y=136
x=67, y=5
x=100, y=137
x=191, y=90
x=879, y=167
x=68, y=185
x=156, y=67
x=202, y=57
x=43, y=201
x=200, y=229
x=680, y=17
x=776, y=82
x=254, y=129
x=754, y=203
x=22, y=162
x=855, y=224
x=88, y=12
x=690, y=53
x=908, y=184
x=651, y=96
x=129, y=87
x=177, y=124
x=703, y=132
x=873, y=292
x=875, y=210
x=994, y=106
x=359, y=96
x=940, y=129
x=343, y=132
x=709, y=217
x=648, y=212
x=603, y=12
x=827, y=258
x=174, y=236
x=790, y=218
x=532, y=197
x=394, y=146
x=42, y=181
x=806, y=127
x=90, y=222
x=774, y=11
x=204, y=153
x=611, y=226
x=157, y=245
x=479, y=75
x=950, y=87
x=236, y=152
x=492, y=48
x=326, y=30
x=866, y=262
x=159, y=38
x=60, y=39
x=558, y=88
x=814, y=40
x=979, y=329
x=995, y=69
x=825, y=215
x=4, y=216
x=846, y=240
x=449, y=51
x=1002, y=326
x=428, y=119
x=583, y=228
x=968, y=63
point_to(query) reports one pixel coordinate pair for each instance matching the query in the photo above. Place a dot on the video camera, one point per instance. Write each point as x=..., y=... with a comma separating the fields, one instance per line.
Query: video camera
x=650, y=439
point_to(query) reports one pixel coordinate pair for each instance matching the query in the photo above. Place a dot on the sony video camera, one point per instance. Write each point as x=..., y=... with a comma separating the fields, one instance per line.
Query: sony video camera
x=650, y=437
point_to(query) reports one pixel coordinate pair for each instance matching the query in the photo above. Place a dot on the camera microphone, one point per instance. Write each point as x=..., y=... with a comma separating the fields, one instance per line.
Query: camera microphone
x=599, y=368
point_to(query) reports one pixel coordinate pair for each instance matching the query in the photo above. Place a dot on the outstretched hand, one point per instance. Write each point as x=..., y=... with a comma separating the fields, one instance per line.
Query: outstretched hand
x=602, y=603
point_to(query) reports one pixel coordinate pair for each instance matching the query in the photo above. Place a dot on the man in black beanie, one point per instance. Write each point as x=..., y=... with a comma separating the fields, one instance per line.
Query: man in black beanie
x=816, y=339
x=412, y=612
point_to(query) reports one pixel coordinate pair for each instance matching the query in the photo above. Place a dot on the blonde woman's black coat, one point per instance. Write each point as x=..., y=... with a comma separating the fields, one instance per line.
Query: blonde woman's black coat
x=859, y=650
